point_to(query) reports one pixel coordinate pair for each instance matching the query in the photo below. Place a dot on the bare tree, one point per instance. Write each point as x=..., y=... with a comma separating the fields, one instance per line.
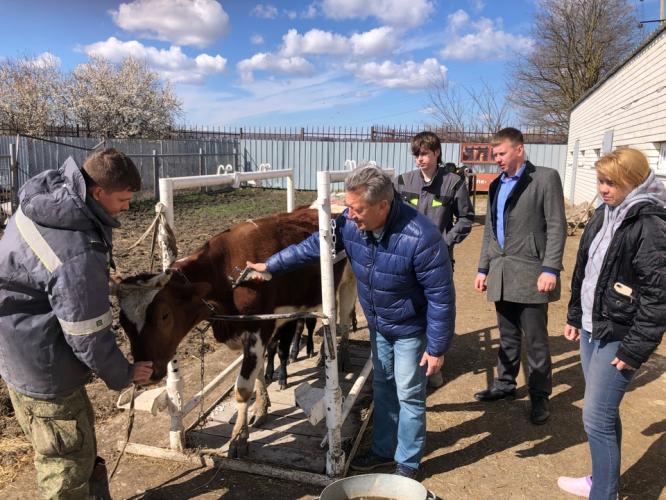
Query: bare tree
x=31, y=91
x=576, y=43
x=459, y=107
x=125, y=100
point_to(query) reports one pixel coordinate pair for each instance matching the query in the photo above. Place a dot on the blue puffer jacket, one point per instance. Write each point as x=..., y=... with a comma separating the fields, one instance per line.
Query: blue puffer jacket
x=55, y=315
x=405, y=283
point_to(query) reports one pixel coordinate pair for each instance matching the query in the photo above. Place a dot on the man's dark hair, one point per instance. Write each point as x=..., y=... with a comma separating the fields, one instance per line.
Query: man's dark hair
x=428, y=140
x=111, y=170
x=508, y=134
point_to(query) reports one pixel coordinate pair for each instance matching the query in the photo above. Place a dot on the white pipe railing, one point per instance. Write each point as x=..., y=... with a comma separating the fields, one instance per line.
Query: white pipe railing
x=177, y=408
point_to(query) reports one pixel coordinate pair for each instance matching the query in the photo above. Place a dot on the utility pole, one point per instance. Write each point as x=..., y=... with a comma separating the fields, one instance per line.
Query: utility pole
x=662, y=20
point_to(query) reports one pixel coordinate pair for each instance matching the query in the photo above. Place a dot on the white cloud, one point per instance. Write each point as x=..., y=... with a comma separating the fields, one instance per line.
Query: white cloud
x=316, y=42
x=459, y=19
x=482, y=39
x=313, y=42
x=376, y=41
x=291, y=14
x=43, y=60
x=171, y=63
x=256, y=39
x=310, y=12
x=266, y=11
x=264, y=61
x=394, y=12
x=182, y=22
x=411, y=75
x=477, y=5
x=272, y=98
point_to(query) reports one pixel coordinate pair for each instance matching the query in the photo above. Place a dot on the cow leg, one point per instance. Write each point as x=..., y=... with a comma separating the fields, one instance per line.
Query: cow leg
x=311, y=323
x=251, y=367
x=259, y=410
x=296, y=342
x=287, y=333
x=346, y=295
x=270, y=360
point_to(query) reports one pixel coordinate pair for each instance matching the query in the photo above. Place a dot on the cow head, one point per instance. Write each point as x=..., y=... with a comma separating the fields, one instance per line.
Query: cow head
x=156, y=312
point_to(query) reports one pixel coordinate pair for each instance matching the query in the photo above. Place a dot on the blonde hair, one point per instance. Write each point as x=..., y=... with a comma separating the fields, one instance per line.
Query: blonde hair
x=627, y=167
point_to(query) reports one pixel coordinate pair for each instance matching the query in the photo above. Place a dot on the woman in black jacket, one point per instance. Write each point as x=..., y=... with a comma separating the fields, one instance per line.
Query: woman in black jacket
x=618, y=305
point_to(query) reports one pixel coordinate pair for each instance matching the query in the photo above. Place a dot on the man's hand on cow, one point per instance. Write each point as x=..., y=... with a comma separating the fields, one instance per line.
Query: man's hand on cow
x=257, y=266
x=142, y=371
x=434, y=363
x=546, y=282
x=480, y=283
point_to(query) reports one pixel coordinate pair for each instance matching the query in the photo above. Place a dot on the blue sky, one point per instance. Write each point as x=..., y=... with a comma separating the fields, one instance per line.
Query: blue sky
x=288, y=63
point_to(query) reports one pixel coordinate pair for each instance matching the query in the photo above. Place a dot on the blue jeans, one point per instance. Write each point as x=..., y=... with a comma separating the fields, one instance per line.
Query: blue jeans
x=604, y=389
x=399, y=386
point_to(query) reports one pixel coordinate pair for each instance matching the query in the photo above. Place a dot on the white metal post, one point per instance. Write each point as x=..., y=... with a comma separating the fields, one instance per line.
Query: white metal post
x=174, y=386
x=335, y=458
x=290, y=193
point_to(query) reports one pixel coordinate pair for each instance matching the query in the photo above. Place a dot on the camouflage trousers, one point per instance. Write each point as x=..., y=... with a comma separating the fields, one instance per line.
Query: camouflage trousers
x=62, y=434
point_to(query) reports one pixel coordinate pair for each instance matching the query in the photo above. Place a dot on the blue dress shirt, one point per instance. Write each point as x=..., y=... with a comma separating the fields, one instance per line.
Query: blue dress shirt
x=506, y=186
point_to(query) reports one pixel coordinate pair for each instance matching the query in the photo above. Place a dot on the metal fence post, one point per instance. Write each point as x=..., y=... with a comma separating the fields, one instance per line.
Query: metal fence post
x=201, y=169
x=13, y=174
x=156, y=177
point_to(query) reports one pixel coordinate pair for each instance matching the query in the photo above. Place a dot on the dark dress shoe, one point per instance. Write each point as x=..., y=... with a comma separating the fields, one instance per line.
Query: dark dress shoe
x=494, y=394
x=540, y=410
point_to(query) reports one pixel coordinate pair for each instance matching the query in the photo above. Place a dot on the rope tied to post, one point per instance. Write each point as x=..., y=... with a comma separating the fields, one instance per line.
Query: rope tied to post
x=159, y=221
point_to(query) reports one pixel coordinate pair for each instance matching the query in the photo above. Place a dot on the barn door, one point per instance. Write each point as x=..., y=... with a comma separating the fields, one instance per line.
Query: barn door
x=574, y=167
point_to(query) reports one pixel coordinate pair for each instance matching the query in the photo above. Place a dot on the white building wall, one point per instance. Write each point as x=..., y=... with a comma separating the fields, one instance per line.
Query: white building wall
x=631, y=104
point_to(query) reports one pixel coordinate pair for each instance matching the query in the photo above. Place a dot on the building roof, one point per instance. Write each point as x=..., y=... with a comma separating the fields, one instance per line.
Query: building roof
x=648, y=40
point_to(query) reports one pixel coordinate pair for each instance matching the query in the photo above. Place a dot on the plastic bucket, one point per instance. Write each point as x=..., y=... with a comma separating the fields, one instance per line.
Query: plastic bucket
x=376, y=487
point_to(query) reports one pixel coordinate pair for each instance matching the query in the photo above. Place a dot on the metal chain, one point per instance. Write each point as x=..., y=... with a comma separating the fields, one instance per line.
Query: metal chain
x=202, y=354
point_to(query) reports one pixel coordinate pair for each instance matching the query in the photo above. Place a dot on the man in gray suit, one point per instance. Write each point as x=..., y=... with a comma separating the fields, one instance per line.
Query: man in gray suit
x=519, y=267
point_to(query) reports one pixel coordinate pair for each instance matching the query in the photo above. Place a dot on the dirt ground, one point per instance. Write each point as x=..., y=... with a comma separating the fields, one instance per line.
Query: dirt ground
x=474, y=450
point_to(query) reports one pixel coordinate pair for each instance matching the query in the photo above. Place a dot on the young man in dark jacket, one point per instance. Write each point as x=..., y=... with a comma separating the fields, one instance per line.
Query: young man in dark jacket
x=406, y=290
x=439, y=194
x=55, y=316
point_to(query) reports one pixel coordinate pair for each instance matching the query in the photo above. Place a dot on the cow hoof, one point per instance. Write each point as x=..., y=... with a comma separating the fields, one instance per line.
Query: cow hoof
x=258, y=415
x=283, y=385
x=268, y=379
x=238, y=448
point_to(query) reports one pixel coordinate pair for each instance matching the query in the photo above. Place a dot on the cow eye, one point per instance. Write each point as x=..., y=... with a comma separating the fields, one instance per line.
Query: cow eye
x=165, y=316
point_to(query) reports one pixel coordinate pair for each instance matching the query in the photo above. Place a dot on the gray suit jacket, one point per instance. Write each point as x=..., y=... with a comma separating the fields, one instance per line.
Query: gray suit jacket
x=534, y=237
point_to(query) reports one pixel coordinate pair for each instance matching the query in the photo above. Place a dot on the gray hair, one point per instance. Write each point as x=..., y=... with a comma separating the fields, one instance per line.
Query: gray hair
x=373, y=181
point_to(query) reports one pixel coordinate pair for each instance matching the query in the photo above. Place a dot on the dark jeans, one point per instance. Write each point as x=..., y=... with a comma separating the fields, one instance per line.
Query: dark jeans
x=530, y=320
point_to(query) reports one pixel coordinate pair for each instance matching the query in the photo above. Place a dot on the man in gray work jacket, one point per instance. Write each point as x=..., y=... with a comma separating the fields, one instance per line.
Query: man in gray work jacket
x=519, y=267
x=55, y=316
x=438, y=194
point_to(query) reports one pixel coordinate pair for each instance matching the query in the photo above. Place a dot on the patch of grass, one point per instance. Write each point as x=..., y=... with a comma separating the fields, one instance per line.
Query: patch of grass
x=14, y=453
x=240, y=203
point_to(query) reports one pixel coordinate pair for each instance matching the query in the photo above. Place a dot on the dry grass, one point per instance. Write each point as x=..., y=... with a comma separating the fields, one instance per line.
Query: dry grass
x=15, y=452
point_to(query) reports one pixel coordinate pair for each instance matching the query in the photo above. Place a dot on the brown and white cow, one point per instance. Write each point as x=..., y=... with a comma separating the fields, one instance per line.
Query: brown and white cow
x=157, y=311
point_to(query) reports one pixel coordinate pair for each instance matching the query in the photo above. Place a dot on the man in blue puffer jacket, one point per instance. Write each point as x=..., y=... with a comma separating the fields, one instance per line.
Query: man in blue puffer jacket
x=55, y=316
x=406, y=290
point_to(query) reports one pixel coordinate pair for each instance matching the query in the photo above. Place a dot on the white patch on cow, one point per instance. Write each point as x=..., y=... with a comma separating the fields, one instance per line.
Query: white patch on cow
x=258, y=350
x=135, y=305
x=134, y=300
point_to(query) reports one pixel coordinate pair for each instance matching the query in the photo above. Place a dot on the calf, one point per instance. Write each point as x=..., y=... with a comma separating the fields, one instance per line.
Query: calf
x=157, y=311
